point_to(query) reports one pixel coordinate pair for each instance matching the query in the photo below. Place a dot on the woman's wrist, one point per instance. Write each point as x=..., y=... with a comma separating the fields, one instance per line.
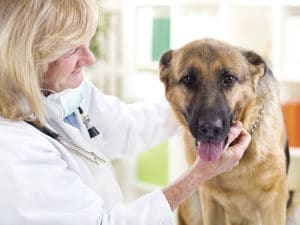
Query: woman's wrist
x=202, y=171
x=187, y=183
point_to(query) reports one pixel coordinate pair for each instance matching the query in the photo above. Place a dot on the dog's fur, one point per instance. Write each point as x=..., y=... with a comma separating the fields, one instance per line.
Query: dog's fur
x=210, y=80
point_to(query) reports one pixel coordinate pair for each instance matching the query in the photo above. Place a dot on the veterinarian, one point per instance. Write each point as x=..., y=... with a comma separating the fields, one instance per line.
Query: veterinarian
x=59, y=133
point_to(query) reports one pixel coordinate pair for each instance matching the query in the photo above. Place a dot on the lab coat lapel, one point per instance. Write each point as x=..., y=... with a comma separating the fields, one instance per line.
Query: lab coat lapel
x=79, y=136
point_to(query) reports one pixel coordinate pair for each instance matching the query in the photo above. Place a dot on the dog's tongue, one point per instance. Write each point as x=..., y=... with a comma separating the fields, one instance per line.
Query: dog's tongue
x=210, y=151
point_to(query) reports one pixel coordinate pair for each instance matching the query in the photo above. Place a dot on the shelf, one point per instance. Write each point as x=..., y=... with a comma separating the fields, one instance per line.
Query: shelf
x=229, y=20
x=295, y=152
x=289, y=91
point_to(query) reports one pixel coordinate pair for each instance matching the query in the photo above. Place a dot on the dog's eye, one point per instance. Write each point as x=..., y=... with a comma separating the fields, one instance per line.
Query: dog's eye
x=228, y=80
x=188, y=80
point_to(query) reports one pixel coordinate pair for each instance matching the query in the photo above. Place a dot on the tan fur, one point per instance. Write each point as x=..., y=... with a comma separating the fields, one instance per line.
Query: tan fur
x=255, y=192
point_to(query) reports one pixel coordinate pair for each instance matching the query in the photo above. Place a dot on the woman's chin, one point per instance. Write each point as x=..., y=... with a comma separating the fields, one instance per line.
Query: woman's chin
x=75, y=80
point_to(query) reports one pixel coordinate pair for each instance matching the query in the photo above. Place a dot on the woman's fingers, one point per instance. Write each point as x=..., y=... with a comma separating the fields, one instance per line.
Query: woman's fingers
x=241, y=143
x=238, y=141
x=234, y=132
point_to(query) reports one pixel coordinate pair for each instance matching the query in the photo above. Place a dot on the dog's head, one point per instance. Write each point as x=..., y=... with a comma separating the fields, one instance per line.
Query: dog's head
x=209, y=84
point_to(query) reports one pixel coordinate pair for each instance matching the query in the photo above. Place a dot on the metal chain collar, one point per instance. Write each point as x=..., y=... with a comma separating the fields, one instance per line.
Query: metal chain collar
x=258, y=119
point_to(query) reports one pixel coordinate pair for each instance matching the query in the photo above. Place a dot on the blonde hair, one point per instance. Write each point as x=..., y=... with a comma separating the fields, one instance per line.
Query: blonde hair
x=33, y=34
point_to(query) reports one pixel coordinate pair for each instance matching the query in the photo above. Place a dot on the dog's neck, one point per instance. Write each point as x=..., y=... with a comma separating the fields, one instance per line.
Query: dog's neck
x=257, y=121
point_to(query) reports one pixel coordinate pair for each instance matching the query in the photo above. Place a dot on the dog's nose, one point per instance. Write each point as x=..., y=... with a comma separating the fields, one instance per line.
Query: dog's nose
x=210, y=130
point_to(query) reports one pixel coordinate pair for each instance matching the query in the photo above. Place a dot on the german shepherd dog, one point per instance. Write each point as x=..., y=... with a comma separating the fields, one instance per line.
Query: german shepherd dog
x=210, y=84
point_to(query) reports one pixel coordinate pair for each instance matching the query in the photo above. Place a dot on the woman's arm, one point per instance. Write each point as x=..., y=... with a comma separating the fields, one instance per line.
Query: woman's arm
x=128, y=128
x=41, y=183
x=202, y=171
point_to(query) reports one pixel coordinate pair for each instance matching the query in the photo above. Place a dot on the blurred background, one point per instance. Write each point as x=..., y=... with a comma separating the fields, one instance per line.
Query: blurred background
x=133, y=34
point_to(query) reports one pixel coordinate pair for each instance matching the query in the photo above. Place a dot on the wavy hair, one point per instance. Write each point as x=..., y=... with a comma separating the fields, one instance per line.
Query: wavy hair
x=33, y=34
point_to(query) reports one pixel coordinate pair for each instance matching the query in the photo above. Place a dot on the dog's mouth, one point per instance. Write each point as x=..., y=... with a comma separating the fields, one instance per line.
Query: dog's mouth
x=210, y=151
x=211, y=135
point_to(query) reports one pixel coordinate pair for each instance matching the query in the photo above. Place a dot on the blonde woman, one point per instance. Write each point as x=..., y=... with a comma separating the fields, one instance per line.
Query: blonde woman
x=59, y=133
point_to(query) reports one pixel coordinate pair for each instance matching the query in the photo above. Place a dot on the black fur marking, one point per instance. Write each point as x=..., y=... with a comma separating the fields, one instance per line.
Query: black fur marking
x=287, y=156
x=166, y=58
x=253, y=58
x=289, y=202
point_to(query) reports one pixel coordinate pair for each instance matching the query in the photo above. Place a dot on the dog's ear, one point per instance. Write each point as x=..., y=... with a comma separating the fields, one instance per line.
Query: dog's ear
x=164, y=66
x=258, y=66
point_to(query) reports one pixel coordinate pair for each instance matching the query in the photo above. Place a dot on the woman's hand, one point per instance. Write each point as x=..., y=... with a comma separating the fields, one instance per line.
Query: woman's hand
x=238, y=141
x=200, y=171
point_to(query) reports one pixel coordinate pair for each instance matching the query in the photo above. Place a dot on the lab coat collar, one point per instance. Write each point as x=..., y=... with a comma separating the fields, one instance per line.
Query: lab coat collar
x=53, y=109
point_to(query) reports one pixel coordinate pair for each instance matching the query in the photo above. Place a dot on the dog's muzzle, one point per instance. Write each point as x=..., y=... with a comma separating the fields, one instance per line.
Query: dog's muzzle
x=210, y=143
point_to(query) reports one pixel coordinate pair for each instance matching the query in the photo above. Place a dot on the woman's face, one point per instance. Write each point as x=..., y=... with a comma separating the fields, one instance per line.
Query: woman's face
x=66, y=72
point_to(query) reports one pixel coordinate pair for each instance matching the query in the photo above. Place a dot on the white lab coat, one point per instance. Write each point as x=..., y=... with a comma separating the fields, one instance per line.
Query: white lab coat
x=43, y=183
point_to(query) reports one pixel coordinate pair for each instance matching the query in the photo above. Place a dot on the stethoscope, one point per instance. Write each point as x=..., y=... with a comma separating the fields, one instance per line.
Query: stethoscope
x=93, y=132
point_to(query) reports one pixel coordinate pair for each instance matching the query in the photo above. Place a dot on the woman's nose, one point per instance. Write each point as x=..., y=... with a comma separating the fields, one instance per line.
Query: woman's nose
x=87, y=57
